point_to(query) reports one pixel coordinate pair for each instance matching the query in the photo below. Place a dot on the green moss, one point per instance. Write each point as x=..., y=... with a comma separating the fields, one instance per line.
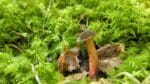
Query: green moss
x=41, y=29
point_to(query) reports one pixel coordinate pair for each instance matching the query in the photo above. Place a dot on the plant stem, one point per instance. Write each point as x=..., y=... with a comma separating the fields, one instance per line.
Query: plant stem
x=36, y=75
x=129, y=76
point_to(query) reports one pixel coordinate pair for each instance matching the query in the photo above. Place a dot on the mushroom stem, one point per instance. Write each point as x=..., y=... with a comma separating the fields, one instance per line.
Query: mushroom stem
x=93, y=58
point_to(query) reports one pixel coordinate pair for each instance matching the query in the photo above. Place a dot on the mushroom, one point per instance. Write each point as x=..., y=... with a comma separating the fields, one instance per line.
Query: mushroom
x=86, y=37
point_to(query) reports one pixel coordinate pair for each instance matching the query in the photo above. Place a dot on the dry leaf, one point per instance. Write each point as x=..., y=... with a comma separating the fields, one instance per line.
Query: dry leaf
x=68, y=60
x=109, y=63
x=107, y=55
x=110, y=50
x=77, y=76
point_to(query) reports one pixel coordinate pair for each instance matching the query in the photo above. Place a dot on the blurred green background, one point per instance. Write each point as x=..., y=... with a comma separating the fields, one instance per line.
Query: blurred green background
x=36, y=31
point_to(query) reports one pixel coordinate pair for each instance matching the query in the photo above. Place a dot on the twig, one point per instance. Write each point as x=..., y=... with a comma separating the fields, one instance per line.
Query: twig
x=16, y=47
x=16, y=33
x=47, y=11
x=87, y=22
x=36, y=75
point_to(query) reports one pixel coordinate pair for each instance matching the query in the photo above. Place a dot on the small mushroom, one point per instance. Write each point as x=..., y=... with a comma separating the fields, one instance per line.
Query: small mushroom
x=86, y=37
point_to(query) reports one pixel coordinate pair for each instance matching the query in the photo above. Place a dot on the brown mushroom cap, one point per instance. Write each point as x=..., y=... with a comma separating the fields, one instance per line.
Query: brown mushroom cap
x=85, y=35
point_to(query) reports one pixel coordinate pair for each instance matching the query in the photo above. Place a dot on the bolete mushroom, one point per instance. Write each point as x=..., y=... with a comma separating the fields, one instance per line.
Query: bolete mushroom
x=86, y=36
